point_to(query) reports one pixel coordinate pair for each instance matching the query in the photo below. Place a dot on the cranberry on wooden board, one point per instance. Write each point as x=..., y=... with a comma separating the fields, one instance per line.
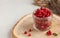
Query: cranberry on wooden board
x=30, y=30
x=25, y=32
x=29, y=34
x=49, y=33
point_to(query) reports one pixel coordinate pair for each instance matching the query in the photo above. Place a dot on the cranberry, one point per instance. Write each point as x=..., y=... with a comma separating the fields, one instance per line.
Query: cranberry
x=30, y=30
x=48, y=24
x=49, y=33
x=37, y=21
x=29, y=34
x=25, y=32
x=43, y=8
x=43, y=26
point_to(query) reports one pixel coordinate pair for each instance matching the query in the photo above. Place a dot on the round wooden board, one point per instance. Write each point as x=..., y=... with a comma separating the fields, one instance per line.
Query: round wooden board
x=26, y=22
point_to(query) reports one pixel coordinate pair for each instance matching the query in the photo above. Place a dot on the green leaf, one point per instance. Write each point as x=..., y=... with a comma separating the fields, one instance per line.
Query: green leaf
x=54, y=34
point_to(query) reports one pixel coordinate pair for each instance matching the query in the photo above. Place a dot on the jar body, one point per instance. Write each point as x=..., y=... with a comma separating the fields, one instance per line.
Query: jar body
x=42, y=23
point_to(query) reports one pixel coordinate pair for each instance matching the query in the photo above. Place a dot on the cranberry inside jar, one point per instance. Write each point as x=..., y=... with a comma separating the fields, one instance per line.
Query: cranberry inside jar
x=42, y=18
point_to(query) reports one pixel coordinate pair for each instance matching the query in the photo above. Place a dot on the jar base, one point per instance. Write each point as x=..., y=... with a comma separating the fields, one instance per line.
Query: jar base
x=38, y=29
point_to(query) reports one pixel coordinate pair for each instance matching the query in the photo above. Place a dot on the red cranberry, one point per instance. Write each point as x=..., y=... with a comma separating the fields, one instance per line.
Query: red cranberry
x=48, y=24
x=43, y=8
x=30, y=30
x=25, y=32
x=37, y=21
x=49, y=33
x=29, y=34
x=43, y=26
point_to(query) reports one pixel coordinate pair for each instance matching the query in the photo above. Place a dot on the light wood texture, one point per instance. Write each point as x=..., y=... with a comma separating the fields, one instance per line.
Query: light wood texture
x=26, y=22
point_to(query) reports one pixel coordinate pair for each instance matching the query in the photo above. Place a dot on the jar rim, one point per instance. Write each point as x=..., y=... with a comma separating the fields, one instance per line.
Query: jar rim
x=44, y=17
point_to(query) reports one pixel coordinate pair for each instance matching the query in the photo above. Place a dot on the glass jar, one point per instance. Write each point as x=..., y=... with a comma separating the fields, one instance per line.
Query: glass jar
x=42, y=23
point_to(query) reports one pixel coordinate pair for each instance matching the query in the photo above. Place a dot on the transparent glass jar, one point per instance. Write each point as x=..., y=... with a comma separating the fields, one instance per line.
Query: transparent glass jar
x=42, y=23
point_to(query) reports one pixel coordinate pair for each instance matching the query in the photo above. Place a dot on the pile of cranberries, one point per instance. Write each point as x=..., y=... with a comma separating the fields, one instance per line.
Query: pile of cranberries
x=42, y=12
x=42, y=17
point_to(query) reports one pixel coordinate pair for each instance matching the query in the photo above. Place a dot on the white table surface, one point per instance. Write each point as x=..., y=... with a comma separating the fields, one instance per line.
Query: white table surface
x=10, y=12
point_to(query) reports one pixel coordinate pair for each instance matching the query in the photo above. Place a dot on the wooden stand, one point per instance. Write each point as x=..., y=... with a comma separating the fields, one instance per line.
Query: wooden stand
x=26, y=22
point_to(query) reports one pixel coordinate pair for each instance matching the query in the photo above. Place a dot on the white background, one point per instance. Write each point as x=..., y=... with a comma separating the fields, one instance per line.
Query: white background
x=10, y=12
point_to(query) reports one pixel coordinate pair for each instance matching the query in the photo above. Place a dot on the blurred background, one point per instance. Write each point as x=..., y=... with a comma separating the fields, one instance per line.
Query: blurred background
x=54, y=5
x=10, y=12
